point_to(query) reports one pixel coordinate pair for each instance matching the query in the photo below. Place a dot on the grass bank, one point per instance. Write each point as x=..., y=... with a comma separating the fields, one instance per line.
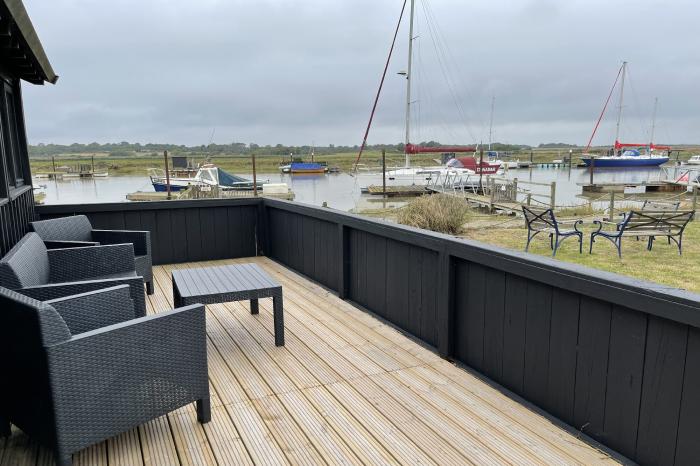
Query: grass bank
x=137, y=163
x=662, y=264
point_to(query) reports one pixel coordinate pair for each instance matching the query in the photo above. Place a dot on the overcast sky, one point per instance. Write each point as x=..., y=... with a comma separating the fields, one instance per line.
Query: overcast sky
x=297, y=71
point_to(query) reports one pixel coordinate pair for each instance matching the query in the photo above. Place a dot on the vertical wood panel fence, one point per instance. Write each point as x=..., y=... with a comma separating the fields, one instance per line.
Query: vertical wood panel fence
x=615, y=358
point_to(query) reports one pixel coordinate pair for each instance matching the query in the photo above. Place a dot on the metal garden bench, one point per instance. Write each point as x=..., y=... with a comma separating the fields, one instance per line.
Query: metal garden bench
x=645, y=223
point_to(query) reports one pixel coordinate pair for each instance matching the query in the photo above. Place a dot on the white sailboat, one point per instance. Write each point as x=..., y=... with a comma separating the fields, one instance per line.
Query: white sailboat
x=422, y=175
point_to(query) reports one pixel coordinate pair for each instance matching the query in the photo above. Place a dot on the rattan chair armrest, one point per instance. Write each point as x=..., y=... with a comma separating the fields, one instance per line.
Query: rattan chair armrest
x=95, y=309
x=140, y=239
x=59, y=290
x=56, y=244
x=109, y=380
x=73, y=264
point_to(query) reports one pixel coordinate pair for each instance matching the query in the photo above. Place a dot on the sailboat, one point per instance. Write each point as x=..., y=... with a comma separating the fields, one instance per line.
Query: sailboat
x=421, y=175
x=493, y=155
x=627, y=154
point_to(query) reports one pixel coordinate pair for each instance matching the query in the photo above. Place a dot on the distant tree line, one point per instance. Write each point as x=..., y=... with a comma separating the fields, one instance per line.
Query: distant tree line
x=127, y=149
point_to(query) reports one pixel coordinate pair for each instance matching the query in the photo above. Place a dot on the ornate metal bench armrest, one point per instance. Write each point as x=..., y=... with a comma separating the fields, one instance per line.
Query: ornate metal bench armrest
x=140, y=239
x=73, y=264
x=127, y=374
x=600, y=224
x=95, y=309
x=57, y=244
x=576, y=222
x=59, y=290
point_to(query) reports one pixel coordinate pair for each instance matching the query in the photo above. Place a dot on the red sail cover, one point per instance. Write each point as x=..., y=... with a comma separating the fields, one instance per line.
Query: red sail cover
x=652, y=146
x=414, y=149
x=619, y=145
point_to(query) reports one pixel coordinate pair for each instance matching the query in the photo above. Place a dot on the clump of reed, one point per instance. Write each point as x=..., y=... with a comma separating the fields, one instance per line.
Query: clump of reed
x=436, y=212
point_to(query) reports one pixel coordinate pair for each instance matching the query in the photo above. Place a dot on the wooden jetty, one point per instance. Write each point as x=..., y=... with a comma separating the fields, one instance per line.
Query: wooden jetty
x=198, y=194
x=649, y=187
x=393, y=191
x=495, y=193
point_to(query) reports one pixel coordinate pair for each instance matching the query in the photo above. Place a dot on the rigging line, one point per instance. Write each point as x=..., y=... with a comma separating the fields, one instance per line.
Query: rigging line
x=451, y=61
x=638, y=107
x=607, y=101
x=443, y=61
x=437, y=112
x=450, y=70
x=381, y=83
x=440, y=58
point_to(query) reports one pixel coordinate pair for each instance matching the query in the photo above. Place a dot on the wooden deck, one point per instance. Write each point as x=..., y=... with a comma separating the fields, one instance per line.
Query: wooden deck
x=346, y=389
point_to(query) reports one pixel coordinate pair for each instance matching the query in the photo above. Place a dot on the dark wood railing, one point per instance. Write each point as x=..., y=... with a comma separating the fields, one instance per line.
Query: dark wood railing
x=15, y=214
x=182, y=231
x=614, y=357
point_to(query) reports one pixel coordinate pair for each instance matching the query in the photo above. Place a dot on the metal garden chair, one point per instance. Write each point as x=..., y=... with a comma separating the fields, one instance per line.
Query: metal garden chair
x=544, y=221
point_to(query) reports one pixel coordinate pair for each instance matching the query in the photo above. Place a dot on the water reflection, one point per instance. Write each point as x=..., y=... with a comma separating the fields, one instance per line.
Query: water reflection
x=343, y=191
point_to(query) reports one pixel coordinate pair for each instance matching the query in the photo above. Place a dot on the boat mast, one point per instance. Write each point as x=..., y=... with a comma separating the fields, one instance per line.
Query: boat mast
x=619, y=110
x=653, y=123
x=493, y=102
x=408, y=85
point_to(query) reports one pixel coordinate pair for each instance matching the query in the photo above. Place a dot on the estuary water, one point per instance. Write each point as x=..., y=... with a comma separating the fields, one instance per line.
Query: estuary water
x=343, y=191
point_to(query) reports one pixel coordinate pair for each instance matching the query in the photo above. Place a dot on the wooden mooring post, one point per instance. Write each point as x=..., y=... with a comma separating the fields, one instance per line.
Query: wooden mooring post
x=255, y=178
x=695, y=200
x=384, y=173
x=167, y=174
x=553, y=194
x=611, y=207
x=590, y=169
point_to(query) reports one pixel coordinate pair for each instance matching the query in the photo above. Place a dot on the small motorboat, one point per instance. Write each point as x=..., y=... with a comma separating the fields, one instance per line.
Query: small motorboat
x=304, y=167
x=694, y=160
x=207, y=175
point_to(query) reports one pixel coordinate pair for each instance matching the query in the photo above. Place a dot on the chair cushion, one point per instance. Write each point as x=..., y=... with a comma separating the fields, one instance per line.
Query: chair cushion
x=26, y=264
x=73, y=228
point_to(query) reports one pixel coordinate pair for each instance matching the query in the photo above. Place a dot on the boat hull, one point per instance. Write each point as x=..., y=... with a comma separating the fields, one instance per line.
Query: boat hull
x=626, y=162
x=162, y=187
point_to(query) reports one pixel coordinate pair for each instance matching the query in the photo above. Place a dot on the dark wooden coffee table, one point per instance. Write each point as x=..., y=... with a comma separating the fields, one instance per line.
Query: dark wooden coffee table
x=221, y=284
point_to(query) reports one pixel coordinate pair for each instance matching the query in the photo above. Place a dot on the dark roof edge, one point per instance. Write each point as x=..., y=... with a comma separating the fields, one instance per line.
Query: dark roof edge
x=26, y=28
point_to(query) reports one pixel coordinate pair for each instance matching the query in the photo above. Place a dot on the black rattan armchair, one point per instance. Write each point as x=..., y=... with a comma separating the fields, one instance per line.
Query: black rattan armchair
x=76, y=231
x=74, y=375
x=29, y=268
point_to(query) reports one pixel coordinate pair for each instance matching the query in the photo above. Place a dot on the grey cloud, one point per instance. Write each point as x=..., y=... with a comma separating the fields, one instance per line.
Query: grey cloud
x=294, y=71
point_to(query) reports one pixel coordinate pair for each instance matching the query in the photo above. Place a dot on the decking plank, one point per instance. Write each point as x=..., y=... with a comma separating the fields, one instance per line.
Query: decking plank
x=125, y=449
x=259, y=442
x=226, y=443
x=292, y=440
x=157, y=442
x=190, y=439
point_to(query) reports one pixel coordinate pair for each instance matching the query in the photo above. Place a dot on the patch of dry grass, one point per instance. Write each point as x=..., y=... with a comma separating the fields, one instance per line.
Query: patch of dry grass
x=436, y=212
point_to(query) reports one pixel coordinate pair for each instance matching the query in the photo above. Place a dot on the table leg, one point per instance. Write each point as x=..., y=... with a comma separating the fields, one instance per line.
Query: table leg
x=277, y=306
x=176, y=297
x=254, y=306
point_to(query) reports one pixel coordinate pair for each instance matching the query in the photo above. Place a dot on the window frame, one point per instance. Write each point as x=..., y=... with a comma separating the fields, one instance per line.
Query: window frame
x=14, y=166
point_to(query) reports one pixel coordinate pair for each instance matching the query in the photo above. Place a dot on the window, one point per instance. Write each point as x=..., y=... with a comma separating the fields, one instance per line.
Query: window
x=12, y=153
